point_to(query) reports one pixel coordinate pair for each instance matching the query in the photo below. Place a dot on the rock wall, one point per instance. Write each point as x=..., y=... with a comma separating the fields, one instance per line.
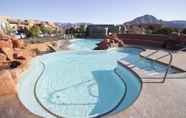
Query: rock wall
x=110, y=42
x=172, y=42
x=14, y=58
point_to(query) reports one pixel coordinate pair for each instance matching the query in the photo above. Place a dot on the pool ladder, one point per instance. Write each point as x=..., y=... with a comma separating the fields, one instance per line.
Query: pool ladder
x=168, y=68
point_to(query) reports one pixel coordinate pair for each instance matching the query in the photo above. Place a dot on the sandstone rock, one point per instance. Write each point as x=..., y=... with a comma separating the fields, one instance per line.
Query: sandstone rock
x=5, y=43
x=3, y=58
x=39, y=48
x=8, y=52
x=102, y=46
x=13, y=61
x=17, y=43
x=16, y=73
x=22, y=54
x=7, y=84
x=15, y=64
x=110, y=42
x=3, y=36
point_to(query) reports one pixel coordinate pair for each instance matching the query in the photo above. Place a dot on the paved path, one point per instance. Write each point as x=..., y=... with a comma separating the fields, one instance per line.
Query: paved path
x=11, y=107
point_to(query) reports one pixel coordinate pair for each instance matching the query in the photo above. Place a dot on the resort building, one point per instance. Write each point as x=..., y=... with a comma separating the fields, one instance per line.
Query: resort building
x=99, y=31
x=141, y=28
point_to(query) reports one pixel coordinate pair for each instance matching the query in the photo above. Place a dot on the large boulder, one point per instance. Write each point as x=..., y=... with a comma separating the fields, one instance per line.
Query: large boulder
x=17, y=43
x=7, y=83
x=6, y=43
x=102, y=45
x=8, y=52
x=110, y=42
x=3, y=58
x=22, y=54
x=3, y=61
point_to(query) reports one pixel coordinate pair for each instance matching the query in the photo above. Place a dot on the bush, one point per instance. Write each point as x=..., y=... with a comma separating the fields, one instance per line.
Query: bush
x=184, y=31
x=46, y=29
x=9, y=29
x=34, y=31
x=164, y=31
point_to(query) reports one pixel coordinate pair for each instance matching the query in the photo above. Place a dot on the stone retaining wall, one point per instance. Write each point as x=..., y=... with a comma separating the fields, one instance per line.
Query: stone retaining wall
x=163, y=41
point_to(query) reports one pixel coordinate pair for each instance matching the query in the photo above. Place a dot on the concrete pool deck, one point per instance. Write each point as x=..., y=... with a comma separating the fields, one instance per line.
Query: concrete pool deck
x=158, y=100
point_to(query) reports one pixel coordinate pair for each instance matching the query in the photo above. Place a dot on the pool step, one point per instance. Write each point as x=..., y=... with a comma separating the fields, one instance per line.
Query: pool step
x=141, y=72
x=151, y=77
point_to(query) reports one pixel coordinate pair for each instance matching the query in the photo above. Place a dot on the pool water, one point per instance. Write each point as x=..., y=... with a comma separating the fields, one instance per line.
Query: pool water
x=84, y=44
x=83, y=83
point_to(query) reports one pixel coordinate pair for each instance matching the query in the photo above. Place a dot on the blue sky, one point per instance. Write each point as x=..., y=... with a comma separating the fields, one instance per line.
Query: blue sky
x=94, y=11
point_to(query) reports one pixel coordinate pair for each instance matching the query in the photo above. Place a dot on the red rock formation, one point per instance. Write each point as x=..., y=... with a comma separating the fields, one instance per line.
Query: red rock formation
x=7, y=84
x=13, y=60
x=110, y=42
x=5, y=43
x=8, y=52
x=22, y=54
x=17, y=43
x=3, y=58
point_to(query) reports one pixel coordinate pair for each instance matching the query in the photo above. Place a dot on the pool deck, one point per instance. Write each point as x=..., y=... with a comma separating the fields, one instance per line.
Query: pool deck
x=11, y=107
x=157, y=100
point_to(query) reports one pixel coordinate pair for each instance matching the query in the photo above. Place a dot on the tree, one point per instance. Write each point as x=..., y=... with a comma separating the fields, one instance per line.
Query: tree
x=184, y=31
x=9, y=29
x=82, y=29
x=72, y=30
x=164, y=31
x=45, y=29
x=34, y=31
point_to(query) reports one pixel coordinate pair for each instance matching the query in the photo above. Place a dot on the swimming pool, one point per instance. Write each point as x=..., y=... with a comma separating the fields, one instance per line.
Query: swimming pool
x=83, y=83
x=84, y=44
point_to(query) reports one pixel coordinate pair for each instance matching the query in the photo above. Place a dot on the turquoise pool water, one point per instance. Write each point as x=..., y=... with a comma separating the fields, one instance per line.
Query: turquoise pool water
x=83, y=83
x=84, y=44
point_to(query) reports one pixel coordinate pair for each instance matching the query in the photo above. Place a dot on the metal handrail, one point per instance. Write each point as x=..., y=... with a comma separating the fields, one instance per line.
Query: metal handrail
x=169, y=65
x=180, y=50
x=167, y=70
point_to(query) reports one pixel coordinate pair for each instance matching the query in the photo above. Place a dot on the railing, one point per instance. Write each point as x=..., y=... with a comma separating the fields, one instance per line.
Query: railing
x=169, y=64
x=182, y=49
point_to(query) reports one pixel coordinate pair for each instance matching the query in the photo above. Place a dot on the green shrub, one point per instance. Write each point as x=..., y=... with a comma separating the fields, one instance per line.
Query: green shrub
x=45, y=29
x=164, y=31
x=34, y=31
x=184, y=31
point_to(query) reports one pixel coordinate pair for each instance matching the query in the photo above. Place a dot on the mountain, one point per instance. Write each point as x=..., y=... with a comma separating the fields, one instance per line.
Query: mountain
x=149, y=19
x=175, y=24
x=146, y=19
